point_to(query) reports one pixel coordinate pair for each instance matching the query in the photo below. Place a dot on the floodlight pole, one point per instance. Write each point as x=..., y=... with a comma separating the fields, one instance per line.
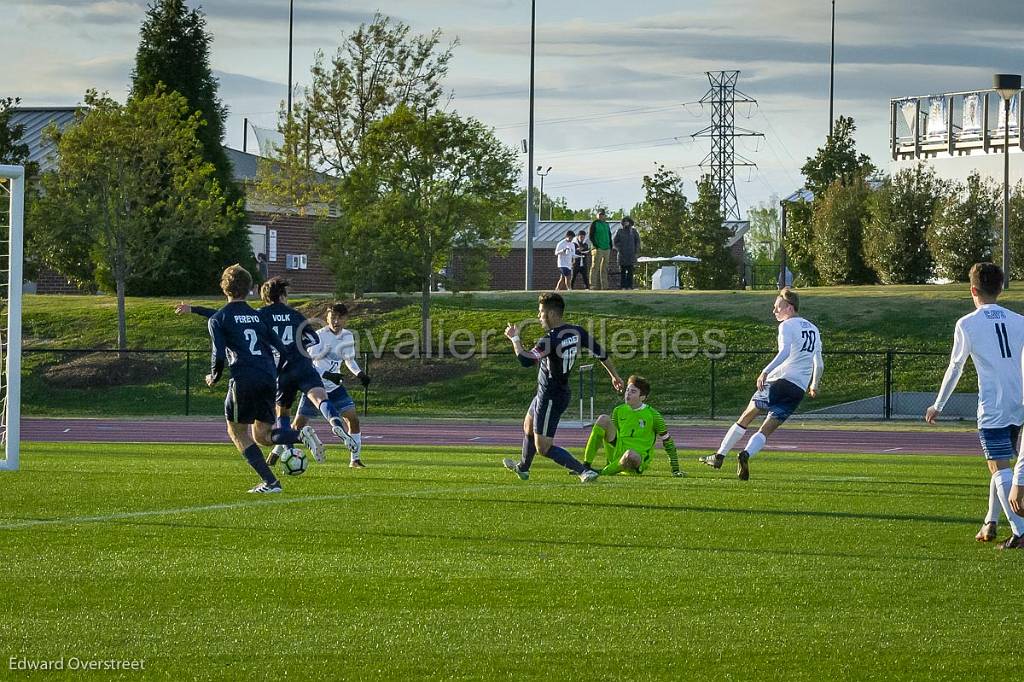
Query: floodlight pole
x=543, y=174
x=832, y=73
x=1008, y=87
x=291, y=21
x=531, y=216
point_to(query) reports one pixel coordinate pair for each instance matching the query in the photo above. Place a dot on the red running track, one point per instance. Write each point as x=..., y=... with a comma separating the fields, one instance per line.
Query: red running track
x=482, y=433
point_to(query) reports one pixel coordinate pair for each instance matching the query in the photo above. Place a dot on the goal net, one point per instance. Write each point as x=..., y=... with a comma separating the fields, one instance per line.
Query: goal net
x=12, y=223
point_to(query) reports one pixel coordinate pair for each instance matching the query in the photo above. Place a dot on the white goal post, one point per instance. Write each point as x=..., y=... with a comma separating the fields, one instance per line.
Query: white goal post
x=12, y=230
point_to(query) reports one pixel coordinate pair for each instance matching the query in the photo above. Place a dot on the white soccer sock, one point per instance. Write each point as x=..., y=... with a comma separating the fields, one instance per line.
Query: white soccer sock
x=755, y=443
x=279, y=450
x=358, y=438
x=993, y=502
x=732, y=436
x=1004, y=479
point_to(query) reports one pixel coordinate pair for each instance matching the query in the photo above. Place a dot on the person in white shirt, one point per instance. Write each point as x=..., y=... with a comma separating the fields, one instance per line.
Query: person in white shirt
x=993, y=337
x=796, y=369
x=565, y=252
x=337, y=346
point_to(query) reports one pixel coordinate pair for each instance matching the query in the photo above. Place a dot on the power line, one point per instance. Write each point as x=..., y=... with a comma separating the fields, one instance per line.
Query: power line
x=594, y=117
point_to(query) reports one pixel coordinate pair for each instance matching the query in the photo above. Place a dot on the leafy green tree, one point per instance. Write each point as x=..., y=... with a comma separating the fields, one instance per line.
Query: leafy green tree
x=764, y=238
x=377, y=68
x=425, y=187
x=131, y=187
x=705, y=236
x=963, y=230
x=12, y=150
x=287, y=178
x=896, y=233
x=661, y=217
x=800, y=241
x=838, y=225
x=1016, y=232
x=174, y=50
x=838, y=160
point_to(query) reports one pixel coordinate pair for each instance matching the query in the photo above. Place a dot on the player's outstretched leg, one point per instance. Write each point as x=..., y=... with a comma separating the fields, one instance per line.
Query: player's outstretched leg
x=732, y=437
x=602, y=433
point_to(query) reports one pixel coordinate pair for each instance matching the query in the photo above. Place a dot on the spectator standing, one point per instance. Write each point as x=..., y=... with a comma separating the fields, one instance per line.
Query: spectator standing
x=579, y=262
x=627, y=246
x=601, y=239
x=565, y=251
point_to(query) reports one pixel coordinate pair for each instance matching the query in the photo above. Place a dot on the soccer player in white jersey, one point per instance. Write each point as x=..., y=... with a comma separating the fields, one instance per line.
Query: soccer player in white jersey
x=337, y=346
x=993, y=337
x=796, y=369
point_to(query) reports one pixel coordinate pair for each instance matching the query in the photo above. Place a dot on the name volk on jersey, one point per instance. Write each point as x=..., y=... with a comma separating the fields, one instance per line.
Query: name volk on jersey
x=994, y=314
x=282, y=318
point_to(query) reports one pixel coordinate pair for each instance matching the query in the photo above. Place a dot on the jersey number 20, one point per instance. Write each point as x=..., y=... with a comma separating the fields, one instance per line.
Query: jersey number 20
x=810, y=339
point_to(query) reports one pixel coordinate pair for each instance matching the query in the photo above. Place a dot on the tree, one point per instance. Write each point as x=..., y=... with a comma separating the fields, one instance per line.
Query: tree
x=764, y=238
x=800, y=241
x=12, y=150
x=425, y=187
x=896, y=234
x=838, y=160
x=838, y=227
x=287, y=179
x=132, y=186
x=1017, y=232
x=661, y=217
x=962, y=232
x=174, y=50
x=377, y=69
x=705, y=236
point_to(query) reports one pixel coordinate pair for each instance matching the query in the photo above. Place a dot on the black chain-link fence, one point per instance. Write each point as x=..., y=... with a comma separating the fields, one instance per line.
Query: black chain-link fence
x=856, y=384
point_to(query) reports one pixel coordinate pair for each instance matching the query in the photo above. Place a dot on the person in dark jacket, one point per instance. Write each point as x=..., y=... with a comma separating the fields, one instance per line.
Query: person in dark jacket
x=627, y=246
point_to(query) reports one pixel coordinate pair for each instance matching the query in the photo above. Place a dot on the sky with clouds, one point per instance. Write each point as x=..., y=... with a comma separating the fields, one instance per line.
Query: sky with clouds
x=616, y=82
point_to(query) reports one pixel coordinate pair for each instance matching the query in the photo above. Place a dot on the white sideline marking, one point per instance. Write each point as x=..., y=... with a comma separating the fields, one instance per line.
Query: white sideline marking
x=476, y=437
x=892, y=450
x=72, y=520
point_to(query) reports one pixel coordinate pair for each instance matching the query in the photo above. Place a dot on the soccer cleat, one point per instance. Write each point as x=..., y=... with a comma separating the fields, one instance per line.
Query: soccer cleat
x=266, y=488
x=313, y=442
x=987, y=532
x=339, y=430
x=356, y=464
x=589, y=476
x=513, y=466
x=742, y=466
x=713, y=460
x=1012, y=542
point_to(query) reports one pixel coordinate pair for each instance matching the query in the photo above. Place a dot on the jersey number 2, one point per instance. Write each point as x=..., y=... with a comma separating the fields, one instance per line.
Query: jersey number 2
x=250, y=336
x=810, y=339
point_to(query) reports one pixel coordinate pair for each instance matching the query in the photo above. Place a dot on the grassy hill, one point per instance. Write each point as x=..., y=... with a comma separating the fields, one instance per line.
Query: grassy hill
x=663, y=335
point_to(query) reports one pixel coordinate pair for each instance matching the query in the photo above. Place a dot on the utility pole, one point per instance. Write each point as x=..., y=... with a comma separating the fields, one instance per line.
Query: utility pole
x=531, y=216
x=291, y=21
x=832, y=74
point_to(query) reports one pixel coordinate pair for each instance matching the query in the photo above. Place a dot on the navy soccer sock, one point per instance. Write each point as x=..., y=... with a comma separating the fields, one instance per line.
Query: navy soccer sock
x=562, y=456
x=254, y=456
x=529, y=452
x=285, y=436
x=329, y=413
x=281, y=423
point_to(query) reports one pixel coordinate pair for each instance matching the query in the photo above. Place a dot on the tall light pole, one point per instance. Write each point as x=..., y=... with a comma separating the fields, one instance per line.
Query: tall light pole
x=291, y=21
x=543, y=174
x=1007, y=85
x=832, y=73
x=531, y=216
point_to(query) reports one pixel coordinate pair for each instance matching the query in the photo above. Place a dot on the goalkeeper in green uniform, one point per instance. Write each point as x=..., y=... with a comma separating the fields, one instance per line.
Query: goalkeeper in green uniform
x=630, y=434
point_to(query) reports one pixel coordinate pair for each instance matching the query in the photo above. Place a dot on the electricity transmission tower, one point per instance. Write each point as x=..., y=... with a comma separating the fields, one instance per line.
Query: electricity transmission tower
x=722, y=160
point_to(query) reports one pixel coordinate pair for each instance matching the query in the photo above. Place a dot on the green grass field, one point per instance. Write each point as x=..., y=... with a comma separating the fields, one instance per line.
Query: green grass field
x=438, y=564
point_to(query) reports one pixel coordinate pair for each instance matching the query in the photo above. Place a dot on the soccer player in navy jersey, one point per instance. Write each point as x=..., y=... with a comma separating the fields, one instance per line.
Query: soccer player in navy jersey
x=241, y=337
x=297, y=373
x=555, y=354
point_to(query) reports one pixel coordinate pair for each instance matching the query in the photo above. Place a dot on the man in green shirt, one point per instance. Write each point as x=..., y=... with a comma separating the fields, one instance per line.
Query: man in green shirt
x=601, y=239
x=630, y=434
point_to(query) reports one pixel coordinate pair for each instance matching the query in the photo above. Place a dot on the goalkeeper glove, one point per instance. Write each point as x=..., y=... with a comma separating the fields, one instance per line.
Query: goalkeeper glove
x=334, y=376
x=364, y=379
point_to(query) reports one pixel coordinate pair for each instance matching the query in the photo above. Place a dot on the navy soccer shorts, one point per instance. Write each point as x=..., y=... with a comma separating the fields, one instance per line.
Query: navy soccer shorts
x=250, y=399
x=339, y=397
x=296, y=380
x=1001, y=443
x=547, y=410
x=779, y=399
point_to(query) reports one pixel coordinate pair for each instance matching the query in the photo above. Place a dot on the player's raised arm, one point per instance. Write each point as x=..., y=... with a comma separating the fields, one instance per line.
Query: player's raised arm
x=185, y=308
x=528, y=358
x=957, y=359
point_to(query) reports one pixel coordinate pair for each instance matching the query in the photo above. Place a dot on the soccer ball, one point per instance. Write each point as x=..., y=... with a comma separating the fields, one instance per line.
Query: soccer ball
x=294, y=462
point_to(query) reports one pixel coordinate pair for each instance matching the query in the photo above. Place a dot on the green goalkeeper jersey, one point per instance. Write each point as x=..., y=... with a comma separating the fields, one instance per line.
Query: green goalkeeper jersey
x=637, y=429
